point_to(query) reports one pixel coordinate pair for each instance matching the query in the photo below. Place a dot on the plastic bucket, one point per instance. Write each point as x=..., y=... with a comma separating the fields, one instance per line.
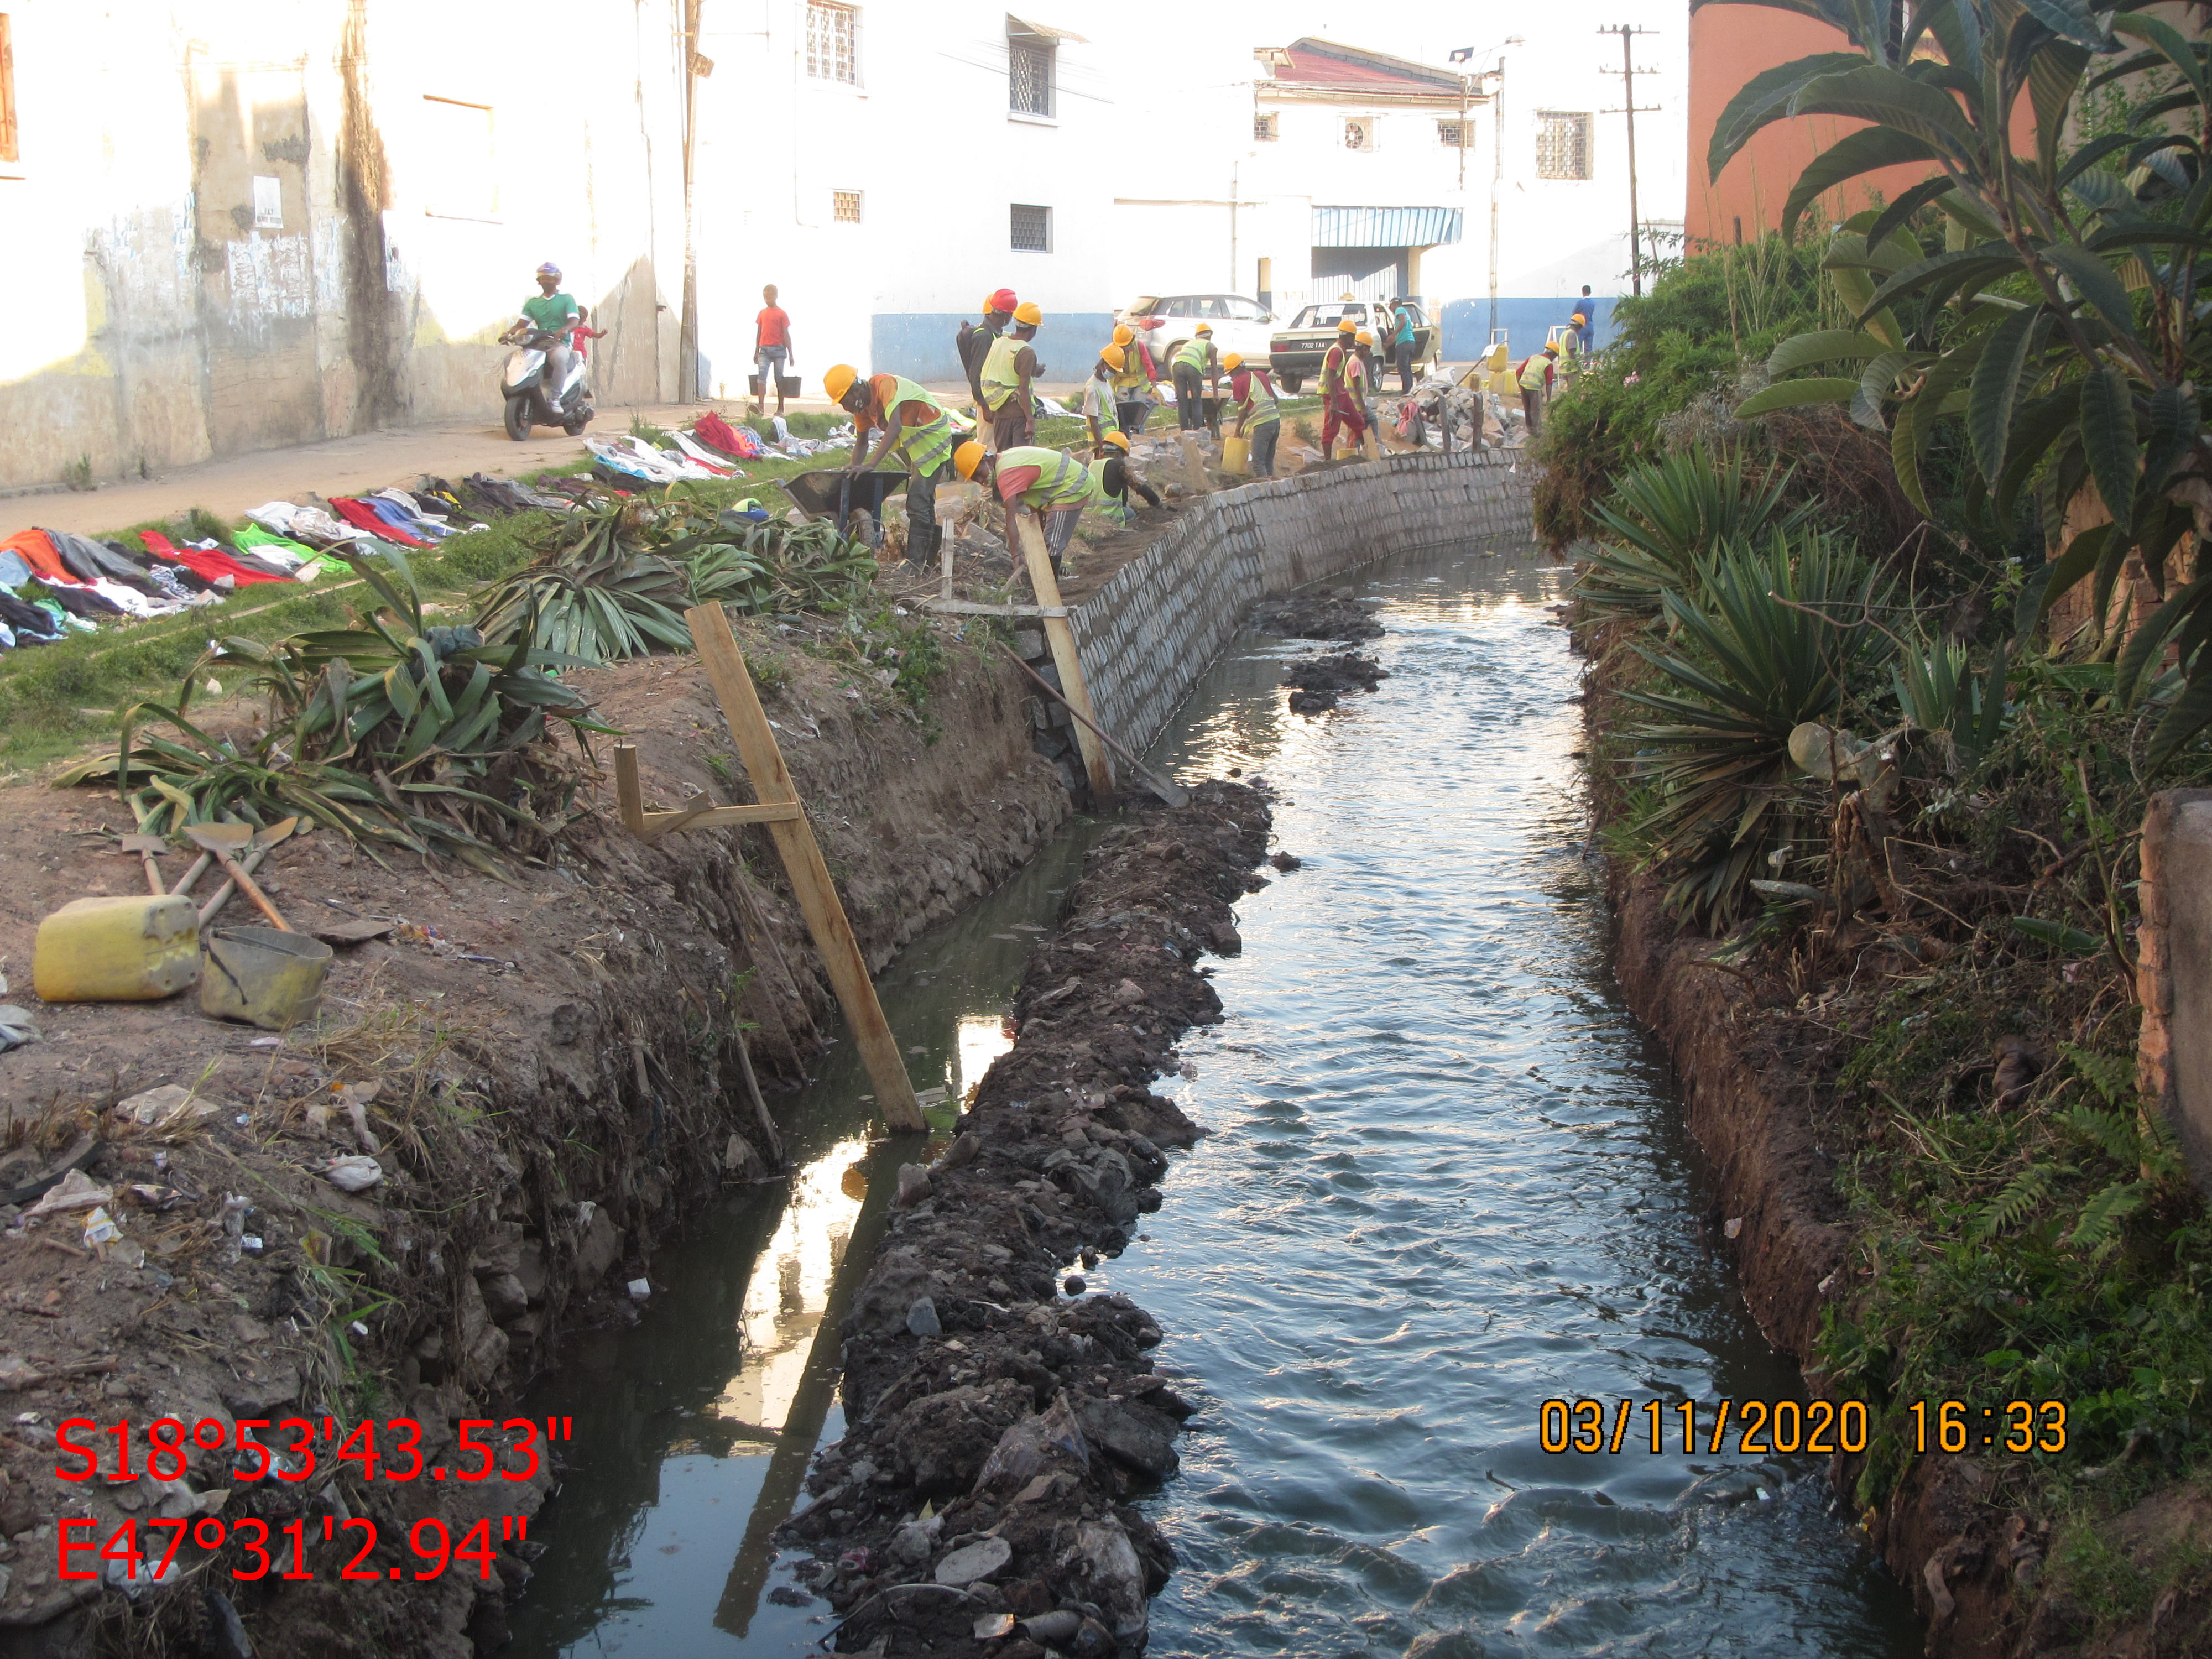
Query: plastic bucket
x=261, y=975
x=1237, y=455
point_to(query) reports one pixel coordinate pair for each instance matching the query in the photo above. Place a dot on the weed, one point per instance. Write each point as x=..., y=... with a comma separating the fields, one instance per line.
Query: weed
x=641, y=428
x=77, y=474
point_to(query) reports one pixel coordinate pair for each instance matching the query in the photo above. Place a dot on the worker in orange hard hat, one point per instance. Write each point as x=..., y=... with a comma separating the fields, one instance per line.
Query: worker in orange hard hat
x=1050, y=483
x=974, y=342
x=1009, y=370
x=1259, y=417
x=1342, y=370
x=1132, y=382
x=914, y=425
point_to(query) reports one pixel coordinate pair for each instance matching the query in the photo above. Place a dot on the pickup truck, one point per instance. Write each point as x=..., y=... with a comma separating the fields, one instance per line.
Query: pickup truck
x=1295, y=353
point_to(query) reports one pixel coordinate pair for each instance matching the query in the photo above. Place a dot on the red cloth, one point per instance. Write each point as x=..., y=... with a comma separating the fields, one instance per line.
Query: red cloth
x=364, y=517
x=36, y=549
x=205, y=562
x=774, y=323
x=716, y=432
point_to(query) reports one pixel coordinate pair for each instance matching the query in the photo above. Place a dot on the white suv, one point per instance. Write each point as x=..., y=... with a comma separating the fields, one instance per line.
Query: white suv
x=1163, y=322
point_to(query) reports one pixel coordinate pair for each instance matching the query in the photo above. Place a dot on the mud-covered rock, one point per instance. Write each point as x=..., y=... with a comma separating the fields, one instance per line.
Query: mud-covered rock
x=1318, y=613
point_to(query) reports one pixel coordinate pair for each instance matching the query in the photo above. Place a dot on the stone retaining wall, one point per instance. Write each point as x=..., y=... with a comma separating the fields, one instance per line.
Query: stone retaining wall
x=1150, y=631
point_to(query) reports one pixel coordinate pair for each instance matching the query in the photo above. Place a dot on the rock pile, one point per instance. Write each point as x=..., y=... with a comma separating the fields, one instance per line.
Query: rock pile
x=1315, y=613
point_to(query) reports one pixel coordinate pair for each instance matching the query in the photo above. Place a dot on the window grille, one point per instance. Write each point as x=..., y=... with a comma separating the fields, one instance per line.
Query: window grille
x=1563, y=144
x=1032, y=228
x=832, y=42
x=846, y=208
x=1452, y=134
x=1263, y=129
x=1029, y=77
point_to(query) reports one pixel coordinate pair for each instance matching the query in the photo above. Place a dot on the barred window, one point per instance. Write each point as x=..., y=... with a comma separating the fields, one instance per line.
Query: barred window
x=1563, y=144
x=1263, y=129
x=1029, y=77
x=846, y=206
x=1452, y=134
x=1032, y=228
x=832, y=42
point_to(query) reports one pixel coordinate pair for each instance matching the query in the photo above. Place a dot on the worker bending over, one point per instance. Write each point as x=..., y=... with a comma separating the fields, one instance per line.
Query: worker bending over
x=1252, y=394
x=1132, y=384
x=914, y=425
x=1049, y=482
x=1341, y=371
x=1117, y=476
x=1196, y=366
x=1008, y=369
x=975, y=344
x=1535, y=376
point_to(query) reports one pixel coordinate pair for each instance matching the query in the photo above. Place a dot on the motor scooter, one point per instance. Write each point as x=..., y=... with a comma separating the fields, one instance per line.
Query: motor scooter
x=522, y=384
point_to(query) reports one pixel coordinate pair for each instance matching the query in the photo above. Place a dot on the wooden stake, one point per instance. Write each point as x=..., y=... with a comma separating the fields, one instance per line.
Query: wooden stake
x=802, y=861
x=1061, y=638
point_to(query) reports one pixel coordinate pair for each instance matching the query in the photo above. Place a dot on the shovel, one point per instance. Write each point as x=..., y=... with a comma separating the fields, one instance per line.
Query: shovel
x=147, y=847
x=223, y=840
x=257, y=850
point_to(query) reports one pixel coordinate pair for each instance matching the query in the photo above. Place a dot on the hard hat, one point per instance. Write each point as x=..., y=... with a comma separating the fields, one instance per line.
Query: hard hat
x=1001, y=300
x=1028, y=314
x=1114, y=358
x=1345, y=325
x=967, y=458
x=1551, y=351
x=1122, y=336
x=837, y=380
x=1233, y=362
x=1203, y=328
x=1119, y=438
x=1366, y=338
x=549, y=268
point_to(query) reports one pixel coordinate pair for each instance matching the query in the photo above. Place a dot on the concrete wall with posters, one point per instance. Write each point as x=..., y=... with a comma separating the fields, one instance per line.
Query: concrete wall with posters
x=231, y=228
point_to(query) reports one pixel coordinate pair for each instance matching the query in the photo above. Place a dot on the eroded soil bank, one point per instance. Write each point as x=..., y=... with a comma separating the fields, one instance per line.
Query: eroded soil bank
x=548, y=1069
x=1016, y=1422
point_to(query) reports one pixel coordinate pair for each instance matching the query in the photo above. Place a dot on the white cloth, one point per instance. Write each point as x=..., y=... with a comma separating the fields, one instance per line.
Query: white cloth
x=276, y=517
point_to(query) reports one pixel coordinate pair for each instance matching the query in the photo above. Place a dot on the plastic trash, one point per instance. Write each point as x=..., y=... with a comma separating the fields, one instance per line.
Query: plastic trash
x=356, y=1174
x=139, y=947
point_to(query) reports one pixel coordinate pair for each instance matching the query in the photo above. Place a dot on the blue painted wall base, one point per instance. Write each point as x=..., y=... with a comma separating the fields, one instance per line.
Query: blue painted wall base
x=1527, y=322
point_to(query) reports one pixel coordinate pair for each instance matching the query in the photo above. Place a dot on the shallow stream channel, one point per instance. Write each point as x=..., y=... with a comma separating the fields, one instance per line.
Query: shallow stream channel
x=1444, y=1182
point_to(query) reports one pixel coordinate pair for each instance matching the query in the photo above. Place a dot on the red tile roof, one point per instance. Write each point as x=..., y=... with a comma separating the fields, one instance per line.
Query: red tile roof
x=1354, y=67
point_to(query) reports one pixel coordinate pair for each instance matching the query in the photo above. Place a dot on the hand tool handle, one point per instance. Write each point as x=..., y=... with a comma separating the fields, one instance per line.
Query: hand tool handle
x=248, y=886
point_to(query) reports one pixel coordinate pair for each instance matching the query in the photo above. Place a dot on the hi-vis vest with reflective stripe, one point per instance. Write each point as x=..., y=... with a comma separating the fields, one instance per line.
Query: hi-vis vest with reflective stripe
x=1532, y=372
x=1116, y=508
x=929, y=445
x=1193, y=354
x=999, y=381
x=1062, y=481
x=1260, y=399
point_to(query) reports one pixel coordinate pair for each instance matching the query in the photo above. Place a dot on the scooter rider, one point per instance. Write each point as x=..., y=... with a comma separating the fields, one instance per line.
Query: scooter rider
x=554, y=313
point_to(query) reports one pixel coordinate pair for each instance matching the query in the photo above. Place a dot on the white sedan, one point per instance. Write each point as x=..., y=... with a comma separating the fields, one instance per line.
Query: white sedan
x=1165, y=323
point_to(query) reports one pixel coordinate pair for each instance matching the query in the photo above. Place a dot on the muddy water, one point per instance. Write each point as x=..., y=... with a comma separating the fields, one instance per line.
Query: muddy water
x=1444, y=1183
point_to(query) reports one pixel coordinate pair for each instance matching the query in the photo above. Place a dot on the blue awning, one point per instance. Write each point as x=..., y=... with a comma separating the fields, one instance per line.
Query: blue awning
x=1385, y=227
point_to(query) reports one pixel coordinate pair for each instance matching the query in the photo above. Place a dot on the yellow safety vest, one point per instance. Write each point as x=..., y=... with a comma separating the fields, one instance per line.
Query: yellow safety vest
x=1263, y=413
x=1062, y=480
x=1532, y=372
x=929, y=445
x=1334, y=364
x=999, y=378
x=1193, y=354
x=1116, y=508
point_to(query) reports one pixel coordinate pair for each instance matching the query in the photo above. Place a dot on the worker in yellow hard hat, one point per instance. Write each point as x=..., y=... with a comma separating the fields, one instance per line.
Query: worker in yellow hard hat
x=974, y=342
x=1196, y=366
x=1132, y=385
x=914, y=425
x=1050, y=483
x=1342, y=405
x=1117, y=476
x=1097, y=410
x=1009, y=369
x=1252, y=395
x=1536, y=380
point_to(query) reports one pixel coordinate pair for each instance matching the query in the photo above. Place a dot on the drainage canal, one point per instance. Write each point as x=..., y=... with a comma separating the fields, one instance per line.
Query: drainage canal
x=1444, y=1183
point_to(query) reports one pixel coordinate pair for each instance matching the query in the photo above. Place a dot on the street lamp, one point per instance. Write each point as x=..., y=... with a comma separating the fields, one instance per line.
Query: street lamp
x=1466, y=54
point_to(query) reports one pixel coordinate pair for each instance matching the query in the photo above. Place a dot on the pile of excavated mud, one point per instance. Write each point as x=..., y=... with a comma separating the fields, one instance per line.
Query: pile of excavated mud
x=978, y=1501
x=1316, y=613
x=1318, y=682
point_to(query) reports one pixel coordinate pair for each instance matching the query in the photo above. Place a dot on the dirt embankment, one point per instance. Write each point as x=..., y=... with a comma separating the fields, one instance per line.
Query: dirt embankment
x=547, y=1068
x=997, y=1426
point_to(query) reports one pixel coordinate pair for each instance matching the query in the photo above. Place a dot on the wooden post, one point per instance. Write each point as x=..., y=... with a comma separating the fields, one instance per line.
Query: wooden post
x=780, y=810
x=1097, y=765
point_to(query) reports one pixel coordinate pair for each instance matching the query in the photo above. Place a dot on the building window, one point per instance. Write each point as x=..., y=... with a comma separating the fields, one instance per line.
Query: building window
x=9, y=149
x=1263, y=129
x=1029, y=76
x=1563, y=144
x=1359, y=135
x=832, y=42
x=845, y=206
x=1452, y=135
x=1032, y=229
x=463, y=181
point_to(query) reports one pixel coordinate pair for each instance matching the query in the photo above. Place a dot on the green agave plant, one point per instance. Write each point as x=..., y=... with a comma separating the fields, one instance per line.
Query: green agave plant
x=2061, y=323
x=1939, y=695
x=1767, y=641
x=1666, y=516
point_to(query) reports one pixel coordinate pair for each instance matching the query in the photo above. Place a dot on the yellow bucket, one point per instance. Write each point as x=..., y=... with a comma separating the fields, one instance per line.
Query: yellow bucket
x=263, y=976
x=1237, y=455
x=137, y=948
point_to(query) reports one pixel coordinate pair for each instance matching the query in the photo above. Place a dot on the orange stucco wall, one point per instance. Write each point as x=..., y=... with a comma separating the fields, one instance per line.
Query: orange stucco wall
x=1728, y=44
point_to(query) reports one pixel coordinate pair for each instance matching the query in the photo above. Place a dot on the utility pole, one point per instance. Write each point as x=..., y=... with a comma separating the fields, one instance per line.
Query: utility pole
x=688, y=389
x=1628, y=72
x=1496, y=78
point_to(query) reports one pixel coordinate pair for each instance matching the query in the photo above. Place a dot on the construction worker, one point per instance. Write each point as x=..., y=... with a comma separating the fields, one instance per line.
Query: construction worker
x=1117, y=476
x=1570, y=354
x=975, y=344
x=1049, y=482
x=1004, y=381
x=1196, y=367
x=1097, y=407
x=1340, y=404
x=1584, y=320
x=1535, y=376
x=1402, y=342
x=1252, y=394
x=913, y=423
x=1132, y=386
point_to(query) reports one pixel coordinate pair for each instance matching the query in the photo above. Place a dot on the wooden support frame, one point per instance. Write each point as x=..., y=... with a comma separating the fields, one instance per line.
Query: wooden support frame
x=1097, y=765
x=785, y=815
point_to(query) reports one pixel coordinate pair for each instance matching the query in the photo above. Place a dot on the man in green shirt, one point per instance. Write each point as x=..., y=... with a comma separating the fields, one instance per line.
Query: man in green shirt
x=554, y=313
